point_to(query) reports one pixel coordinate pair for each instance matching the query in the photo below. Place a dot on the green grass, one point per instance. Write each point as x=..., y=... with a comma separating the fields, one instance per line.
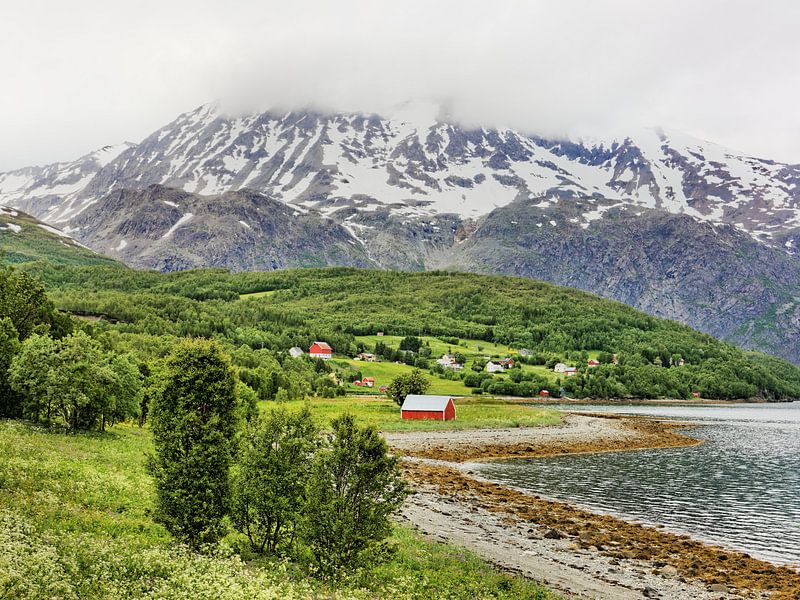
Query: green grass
x=471, y=413
x=75, y=524
x=257, y=295
x=33, y=243
x=384, y=372
x=469, y=348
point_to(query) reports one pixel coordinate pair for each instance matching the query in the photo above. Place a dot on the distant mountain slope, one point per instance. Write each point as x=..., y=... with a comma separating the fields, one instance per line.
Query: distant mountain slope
x=26, y=239
x=169, y=230
x=415, y=191
x=712, y=277
x=416, y=165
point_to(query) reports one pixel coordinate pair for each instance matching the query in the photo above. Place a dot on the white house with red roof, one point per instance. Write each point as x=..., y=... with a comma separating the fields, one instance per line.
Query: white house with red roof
x=320, y=350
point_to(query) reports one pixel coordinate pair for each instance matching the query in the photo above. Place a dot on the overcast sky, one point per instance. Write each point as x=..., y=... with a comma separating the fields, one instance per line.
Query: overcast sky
x=81, y=74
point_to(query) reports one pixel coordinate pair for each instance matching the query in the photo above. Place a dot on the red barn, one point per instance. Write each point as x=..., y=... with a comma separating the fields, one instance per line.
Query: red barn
x=436, y=408
x=544, y=394
x=320, y=350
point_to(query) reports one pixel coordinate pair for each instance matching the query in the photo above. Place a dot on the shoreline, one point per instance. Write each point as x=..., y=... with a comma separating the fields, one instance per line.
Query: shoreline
x=576, y=552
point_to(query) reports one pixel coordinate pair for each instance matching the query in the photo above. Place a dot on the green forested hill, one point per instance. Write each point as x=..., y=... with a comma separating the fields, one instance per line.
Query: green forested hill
x=146, y=311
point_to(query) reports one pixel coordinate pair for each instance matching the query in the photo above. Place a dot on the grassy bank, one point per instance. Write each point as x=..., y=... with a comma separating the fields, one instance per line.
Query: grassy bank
x=384, y=372
x=75, y=523
x=471, y=413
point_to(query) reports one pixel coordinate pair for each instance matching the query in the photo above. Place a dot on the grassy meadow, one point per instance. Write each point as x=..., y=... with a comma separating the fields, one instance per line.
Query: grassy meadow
x=384, y=372
x=75, y=524
x=384, y=414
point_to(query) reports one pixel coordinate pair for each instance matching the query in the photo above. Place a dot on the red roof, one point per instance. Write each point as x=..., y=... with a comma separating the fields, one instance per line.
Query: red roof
x=372, y=379
x=321, y=347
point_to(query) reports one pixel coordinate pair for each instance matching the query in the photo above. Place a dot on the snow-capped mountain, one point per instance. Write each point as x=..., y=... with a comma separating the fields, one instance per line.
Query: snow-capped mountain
x=414, y=165
x=415, y=190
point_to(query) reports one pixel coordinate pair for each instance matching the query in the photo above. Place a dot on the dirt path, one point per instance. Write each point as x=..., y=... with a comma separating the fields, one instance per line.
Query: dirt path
x=575, y=552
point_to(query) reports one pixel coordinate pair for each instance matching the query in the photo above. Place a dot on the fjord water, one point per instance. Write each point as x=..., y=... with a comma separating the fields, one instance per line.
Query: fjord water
x=740, y=489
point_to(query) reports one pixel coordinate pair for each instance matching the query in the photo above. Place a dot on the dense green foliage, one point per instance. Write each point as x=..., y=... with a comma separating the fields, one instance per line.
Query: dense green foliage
x=354, y=487
x=270, y=478
x=194, y=422
x=145, y=312
x=75, y=379
x=403, y=385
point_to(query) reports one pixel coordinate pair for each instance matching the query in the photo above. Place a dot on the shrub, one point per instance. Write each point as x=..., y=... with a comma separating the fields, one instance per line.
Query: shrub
x=194, y=423
x=403, y=385
x=355, y=486
x=269, y=479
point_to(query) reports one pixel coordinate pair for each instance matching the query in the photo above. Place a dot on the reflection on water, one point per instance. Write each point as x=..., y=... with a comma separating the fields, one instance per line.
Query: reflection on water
x=741, y=489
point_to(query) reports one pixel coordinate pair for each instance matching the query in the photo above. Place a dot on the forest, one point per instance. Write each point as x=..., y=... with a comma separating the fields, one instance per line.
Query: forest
x=259, y=316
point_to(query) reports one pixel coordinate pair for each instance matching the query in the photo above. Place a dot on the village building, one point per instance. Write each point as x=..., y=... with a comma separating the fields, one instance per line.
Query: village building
x=570, y=371
x=368, y=382
x=506, y=363
x=493, y=367
x=320, y=350
x=295, y=352
x=448, y=361
x=544, y=394
x=593, y=363
x=427, y=407
x=560, y=368
x=366, y=356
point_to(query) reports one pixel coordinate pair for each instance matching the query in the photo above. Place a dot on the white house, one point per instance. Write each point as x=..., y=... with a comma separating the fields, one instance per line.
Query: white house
x=448, y=361
x=493, y=367
x=295, y=352
x=560, y=368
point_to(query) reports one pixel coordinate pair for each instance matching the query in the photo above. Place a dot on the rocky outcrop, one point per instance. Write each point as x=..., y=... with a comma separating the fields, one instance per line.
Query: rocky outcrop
x=167, y=229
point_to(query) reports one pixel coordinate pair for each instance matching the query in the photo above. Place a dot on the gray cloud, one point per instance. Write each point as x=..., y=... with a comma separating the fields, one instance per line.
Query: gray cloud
x=82, y=74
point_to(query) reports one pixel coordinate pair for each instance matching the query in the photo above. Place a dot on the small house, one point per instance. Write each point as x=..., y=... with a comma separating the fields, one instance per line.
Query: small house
x=493, y=367
x=366, y=356
x=695, y=394
x=426, y=407
x=560, y=368
x=570, y=371
x=295, y=352
x=368, y=382
x=379, y=334
x=544, y=394
x=506, y=363
x=320, y=350
x=448, y=361
x=593, y=363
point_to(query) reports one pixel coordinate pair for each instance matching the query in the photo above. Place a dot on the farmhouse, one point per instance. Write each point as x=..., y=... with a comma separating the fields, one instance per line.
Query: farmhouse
x=506, y=363
x=366, y=356
x=544, y=394
x=437, y=408
x=295, y=352
x=593, y=363
x=560, y=368
x=368, y=382
x=448, y=361
x=493, y=367
x=320, y=350
x=570, y=371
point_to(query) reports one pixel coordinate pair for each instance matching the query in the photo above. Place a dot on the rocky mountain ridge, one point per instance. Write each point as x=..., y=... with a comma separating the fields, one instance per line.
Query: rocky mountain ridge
x=672, y=225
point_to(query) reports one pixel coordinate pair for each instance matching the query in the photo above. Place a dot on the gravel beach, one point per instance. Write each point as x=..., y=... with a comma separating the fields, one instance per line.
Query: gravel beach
x=576, y=553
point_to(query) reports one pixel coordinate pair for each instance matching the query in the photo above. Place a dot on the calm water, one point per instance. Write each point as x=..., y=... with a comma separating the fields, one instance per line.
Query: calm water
x=741, y=489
